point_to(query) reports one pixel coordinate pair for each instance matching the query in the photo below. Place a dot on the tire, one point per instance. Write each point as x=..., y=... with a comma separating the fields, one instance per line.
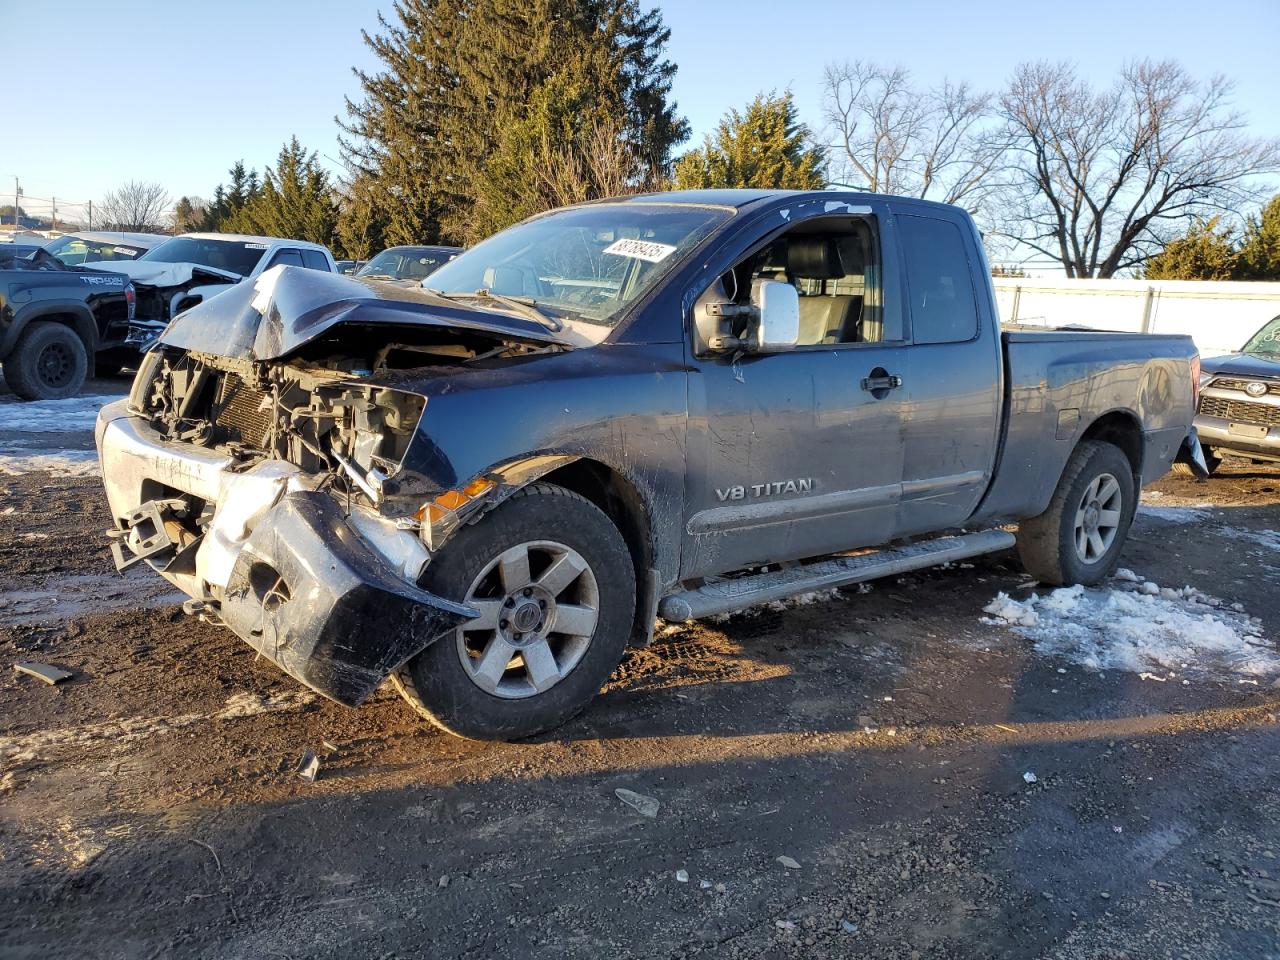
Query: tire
x=1050, y=544
x=453, y=685
x=48, y=362
x=1211, y=460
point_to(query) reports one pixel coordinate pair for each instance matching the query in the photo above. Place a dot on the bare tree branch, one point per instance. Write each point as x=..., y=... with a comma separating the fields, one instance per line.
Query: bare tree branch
x=137, y=206
x=890, y=137
x=1102, y=176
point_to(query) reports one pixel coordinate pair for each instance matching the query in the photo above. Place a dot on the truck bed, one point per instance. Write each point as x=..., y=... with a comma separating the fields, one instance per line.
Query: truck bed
x=1058, y=384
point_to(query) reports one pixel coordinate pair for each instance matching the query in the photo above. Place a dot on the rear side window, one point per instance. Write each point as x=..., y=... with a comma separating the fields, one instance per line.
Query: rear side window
x=287, y=258
x=315, y=260
x=943, y=306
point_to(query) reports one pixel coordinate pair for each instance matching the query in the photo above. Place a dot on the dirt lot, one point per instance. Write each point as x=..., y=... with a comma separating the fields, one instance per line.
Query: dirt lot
x=881, y=740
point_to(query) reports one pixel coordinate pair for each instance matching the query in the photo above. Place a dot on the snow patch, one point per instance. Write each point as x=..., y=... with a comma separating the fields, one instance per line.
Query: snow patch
x=74, y=414
x=1270, y=539
x=1196, y=513
x=1141, y=627
x=67, y=463
x=800, y=600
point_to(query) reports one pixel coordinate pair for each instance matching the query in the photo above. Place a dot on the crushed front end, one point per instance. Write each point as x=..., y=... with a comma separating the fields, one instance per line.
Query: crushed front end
x=264, y=491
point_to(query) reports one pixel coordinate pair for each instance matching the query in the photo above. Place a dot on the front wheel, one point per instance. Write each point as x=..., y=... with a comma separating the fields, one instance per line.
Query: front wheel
x=49, y=362
x=554, y=584
x=1079, y=537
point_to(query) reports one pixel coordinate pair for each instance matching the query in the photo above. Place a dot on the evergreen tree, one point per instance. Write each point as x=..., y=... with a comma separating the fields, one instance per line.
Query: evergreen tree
x=465, y=84
x=229, y=201
x=1260, y=251
x=295, y=200
x=362, y=227
x=1206, y=252
x=766, y=147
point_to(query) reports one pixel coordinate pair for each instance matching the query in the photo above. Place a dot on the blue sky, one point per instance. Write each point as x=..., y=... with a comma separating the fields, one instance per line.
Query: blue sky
x=176, y=91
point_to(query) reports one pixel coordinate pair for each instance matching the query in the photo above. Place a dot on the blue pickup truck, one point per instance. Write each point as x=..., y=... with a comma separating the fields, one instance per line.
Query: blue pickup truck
x=673, y=405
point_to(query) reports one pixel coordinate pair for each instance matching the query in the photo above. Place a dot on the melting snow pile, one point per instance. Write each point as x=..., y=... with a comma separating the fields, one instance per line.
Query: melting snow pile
x=36, y=421
x=1138, y=626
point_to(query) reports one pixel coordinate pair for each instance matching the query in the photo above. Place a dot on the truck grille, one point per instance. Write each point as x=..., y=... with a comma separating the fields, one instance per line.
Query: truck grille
x=1241, y=411
x=241, y=412
x=1230, y=384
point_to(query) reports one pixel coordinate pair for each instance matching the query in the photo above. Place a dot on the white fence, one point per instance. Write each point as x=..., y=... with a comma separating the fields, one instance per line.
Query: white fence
x=1219, y=315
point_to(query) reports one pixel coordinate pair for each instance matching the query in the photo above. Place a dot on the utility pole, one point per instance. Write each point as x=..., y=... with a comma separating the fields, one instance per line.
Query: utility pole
x=90, y=214
x=54, y=216
x=17, y=195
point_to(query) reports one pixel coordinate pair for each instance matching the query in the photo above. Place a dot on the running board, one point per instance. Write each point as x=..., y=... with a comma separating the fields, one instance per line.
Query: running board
x=725, y=596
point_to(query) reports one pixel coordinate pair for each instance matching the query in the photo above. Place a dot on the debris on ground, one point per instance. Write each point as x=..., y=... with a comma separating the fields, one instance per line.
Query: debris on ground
x=789, y=863
x=1030, y=777
x=309, y=767
x=645, y=806
x=848, y=927
x=43, y=671
x=682, y=876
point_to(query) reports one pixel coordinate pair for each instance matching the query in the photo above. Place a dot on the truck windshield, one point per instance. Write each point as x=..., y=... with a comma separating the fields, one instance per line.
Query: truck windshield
x=72, y=250
x=407, y=263
x=234, y=256
x=1266, y=341
x=588, y=263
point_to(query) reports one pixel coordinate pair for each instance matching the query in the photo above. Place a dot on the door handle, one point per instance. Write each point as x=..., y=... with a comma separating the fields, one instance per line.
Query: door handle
x=885, y=382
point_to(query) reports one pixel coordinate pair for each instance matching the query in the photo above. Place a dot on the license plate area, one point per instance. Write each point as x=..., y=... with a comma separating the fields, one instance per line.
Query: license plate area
x=1251, y=430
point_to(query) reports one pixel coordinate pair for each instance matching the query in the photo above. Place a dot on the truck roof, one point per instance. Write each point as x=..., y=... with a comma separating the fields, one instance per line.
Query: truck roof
x=246, y=238
x=746, y=198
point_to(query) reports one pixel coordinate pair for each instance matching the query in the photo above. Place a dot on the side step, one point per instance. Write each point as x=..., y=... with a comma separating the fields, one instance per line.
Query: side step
x=725, y=596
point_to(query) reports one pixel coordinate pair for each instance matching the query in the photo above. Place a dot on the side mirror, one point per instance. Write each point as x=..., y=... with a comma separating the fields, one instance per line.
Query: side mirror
x=779, y=307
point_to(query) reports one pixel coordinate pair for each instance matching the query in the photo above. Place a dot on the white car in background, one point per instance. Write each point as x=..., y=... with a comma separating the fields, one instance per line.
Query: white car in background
x=190, y=268
x=102, y=246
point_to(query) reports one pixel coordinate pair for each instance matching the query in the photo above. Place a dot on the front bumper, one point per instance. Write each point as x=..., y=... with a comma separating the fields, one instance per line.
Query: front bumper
x=329, y=596
x=1255, y=441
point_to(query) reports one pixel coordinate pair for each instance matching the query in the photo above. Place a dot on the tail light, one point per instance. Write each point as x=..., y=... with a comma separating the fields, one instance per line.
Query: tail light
x=131, y=300
x=1195, y=382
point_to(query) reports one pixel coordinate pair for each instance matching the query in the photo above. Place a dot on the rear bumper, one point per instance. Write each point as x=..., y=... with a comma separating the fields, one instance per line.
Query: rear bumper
x=329, y=596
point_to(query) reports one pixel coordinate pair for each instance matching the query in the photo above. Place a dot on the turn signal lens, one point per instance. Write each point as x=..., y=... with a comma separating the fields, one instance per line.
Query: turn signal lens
x=478, y=487
x=451, y=499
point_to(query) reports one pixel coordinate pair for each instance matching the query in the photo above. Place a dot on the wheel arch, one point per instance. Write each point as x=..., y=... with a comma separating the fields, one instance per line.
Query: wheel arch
x=69, y=313
x=1122, y=429
x=616, y=496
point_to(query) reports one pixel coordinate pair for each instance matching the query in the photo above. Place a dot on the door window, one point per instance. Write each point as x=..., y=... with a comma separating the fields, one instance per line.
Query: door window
x=943, y=306
x=836, y=268
x=315, y=260
x=287, y=258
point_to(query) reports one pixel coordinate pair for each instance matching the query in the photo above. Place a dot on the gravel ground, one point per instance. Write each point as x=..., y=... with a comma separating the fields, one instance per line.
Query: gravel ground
x=880, y=740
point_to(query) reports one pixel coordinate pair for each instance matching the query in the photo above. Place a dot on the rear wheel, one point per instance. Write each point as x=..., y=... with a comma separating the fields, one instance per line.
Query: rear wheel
x=48, y=362
x=1078, y=539
x=555, y=588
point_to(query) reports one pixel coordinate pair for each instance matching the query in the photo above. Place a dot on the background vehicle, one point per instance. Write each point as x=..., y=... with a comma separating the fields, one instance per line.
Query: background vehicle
x=413, y=264
x=76, y=248
x=348, y=267
x=1239, y=411
x=188, y=269
x=54, y=319
x=677, y=403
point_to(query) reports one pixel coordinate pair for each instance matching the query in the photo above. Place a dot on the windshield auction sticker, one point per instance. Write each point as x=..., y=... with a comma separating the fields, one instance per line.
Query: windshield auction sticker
x=641, y=250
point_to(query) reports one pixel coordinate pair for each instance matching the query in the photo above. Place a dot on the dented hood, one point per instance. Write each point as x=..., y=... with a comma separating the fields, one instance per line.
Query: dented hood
x=287, y=307
x=157, y=274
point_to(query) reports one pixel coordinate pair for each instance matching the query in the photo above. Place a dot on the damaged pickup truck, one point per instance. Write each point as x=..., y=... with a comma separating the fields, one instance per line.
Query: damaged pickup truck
x=671, y=405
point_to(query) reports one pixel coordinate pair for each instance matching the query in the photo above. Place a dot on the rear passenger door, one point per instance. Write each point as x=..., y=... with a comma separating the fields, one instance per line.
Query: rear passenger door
x=953, y=397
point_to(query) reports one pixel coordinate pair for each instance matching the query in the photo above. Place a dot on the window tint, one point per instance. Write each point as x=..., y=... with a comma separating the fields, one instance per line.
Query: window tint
x=943, y=308
x=287, y=258
x=315, y=260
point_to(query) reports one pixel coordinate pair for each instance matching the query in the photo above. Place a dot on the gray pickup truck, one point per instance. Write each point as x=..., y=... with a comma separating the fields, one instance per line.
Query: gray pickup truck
x=670, y=405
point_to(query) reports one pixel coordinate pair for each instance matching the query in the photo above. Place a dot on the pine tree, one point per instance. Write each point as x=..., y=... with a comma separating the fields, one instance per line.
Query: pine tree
x=1260, y=250
x=1206, y=252
x=765, y=147
x=362, y=227
x=229, y=201
x=467, y=87
x=295, y=200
